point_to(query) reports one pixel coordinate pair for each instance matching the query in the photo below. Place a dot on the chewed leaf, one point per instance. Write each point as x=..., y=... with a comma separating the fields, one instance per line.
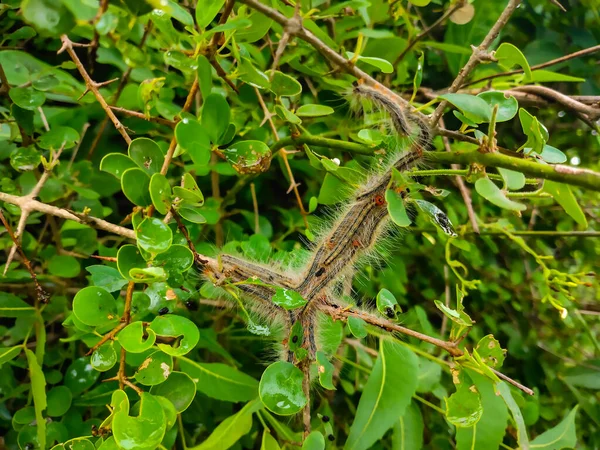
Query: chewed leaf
x=248, y=157
x=437, y=216
x=387, y=304
x=288, y=299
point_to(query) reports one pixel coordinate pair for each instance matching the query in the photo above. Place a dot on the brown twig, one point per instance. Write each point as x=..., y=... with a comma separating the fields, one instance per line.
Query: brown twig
x=513, y=382
x=255, y=206
x=283, y=153
x=139, y=115
x=42, y=295
x=565, y=100
x=92, y=86
x=184, y=231
x=464, y=190
x=4, y=88
x=27, y=203
x=479, y=54
x=578, y=54
x=116, y=96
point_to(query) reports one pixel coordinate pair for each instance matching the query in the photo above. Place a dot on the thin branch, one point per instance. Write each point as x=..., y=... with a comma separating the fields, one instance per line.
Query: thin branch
x=556, y=172
x=578, y=54
x=479, y=54
x=255, y=206
x=295, y=28
x=33, y=205
x=513, y=382
x=464, y=190
x=283, y=153
x=42, y=295
x=92, y=86
x=563, y=99
x=139, y=115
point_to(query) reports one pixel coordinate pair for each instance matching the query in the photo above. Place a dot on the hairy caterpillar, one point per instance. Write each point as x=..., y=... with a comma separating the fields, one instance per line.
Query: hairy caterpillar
x=352, y=235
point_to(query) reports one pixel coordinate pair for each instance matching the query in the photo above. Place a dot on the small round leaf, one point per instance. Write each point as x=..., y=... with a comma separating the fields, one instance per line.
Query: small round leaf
x=94, y=306
x=160, y=193
x=280, y=388
x=153, y=235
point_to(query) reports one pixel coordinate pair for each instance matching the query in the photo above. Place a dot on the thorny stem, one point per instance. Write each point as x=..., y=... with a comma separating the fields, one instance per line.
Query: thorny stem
x=42, y=295
x=283, y=153
x=479, y=54
x=92, y=86
x=578, y=54
x=556, y=172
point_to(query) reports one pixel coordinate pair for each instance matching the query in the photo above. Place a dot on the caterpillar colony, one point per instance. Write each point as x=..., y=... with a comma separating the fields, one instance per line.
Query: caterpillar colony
x=353, y=235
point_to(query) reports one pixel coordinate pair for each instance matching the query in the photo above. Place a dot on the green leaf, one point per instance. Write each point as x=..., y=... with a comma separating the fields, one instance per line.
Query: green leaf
x=146, y=154
x=160, y=193
x=59, y=137
x=463, y=408
x=489, y=431
x=418, y=74
x=59, y=400
x=382, y=64
x=474, y=108
x=13, y=306
x=231, y=429
x=357, y=327
x=492, y=193
x=204, y=74
x=249, y=157
x=314, y=111
x=189, y=192
x=285, y=114
x=325, y=370
x=283, y=85
x=387, y=304
x=288, y=299
x=215, y=116
x=94, y=306
x=491, y=352
x=132, y=337
x=80, y=375
x=522, y=438
x=396, y=208
x=179, y=327
x=135, y=184
x=536, y=133
x=179, y=389
x=561, y=436
x=386, y=395
x=191, y=214
x=269, y=442
x=105, y=357
x=129, y=257
x=314, y=441
x=155, y=369
x=547, y=76
x=509, y=56
x=514, y=180
x=153, y=235
x=254, y=77
x=220, y=381
x=507, y=107
x=192, y=137
x=64, y=266
x=280, y=388
x=9, y=353
x=460, y=317
x=206, y=12
x=178, y=259
x=552, y=155
x=144, y=432
x=48, y=16
x=116, y=164
x=38, y=391
x=27, y=97
x=420, y=2
x=564, y=197
x=408, y=430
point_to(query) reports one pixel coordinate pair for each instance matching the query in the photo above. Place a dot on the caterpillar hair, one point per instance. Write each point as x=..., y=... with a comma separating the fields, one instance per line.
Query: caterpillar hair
x=354, y=234
x=402, y=123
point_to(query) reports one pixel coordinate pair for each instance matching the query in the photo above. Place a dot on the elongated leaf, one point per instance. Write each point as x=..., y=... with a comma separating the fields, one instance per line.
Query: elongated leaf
x=564, y=197
x=488, y=190
x=408, y=430
x=561, y=436
x=38, y=389
x=504, y=390
x=231, y=429
x=220, y=381
x=386, y=395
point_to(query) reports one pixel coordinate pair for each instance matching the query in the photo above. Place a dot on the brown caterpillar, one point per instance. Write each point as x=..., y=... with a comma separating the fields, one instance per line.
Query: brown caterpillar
x=352, y=235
